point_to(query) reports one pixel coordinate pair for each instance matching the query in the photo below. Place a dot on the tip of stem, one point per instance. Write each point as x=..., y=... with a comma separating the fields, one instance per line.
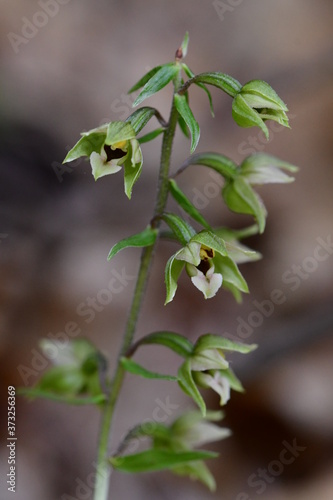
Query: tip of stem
x=179, y=54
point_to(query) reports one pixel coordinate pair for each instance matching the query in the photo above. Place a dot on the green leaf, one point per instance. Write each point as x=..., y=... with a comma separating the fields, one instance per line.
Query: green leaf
x=71, y=400
x=186, y=204
x=220, y=163
x=173, y=269
x=174, y=341
x=144, y=79
x=241, y=198
x=224, y=82
x=184, y=44
x=151, y=135
x=157, y=82
x=185, y=111
x=133, y=367
x=187, y=384
x=140, y=118
x=86, y=145
x=181, y=229
x=146, y=238
x=155, y=459
x=211, y=240
x=183, y=127
x=212, y=341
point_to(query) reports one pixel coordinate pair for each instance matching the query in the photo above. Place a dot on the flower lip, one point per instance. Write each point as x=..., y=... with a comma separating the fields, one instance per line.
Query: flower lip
x=204, y=266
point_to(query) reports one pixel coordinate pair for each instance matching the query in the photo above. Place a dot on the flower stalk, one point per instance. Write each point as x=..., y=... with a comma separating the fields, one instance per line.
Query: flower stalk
x=102, y=470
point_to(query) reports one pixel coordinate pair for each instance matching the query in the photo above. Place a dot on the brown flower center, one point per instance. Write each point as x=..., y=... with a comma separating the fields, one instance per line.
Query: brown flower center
x=113, y=154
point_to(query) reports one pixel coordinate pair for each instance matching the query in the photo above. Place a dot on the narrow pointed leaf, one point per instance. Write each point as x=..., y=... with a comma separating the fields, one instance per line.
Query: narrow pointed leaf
x=186, y=204
x=144, y=79
x=155, y=459
x=220, y=163
x=144, y=239
x=181, y=229
x=140, y=118
x=187, y=384
x=157, y=82
x=151, y=135
x=136, y=369
x=186, y=113
x=174, y=341
x=183, y=127
x=184, y=44
x=224, y=82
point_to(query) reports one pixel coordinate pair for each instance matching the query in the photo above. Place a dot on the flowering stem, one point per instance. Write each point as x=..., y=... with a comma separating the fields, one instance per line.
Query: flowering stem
x=103, y=468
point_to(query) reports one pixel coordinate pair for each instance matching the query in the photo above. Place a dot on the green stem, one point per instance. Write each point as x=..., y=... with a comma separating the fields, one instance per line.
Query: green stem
x=103, y=468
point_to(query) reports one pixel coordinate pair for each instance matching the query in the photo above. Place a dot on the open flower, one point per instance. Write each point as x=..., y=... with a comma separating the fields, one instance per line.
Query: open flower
x=207, y=367
x=198, y=257
x=207, y=262
x=111, y=157
x=109, y=148
x=108, y=161
x=120, y=148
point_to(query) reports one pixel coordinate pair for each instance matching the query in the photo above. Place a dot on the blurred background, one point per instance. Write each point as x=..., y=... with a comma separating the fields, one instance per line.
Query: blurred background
x=66, y=67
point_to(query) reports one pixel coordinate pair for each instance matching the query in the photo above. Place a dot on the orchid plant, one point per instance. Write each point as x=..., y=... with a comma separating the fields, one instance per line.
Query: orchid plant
x=210, y=257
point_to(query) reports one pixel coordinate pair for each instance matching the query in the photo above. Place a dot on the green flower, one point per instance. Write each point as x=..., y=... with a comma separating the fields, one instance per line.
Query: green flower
x=257, y=102
x=207, y=367
x=198, y=258
x=109, y=148
x=207, y=263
